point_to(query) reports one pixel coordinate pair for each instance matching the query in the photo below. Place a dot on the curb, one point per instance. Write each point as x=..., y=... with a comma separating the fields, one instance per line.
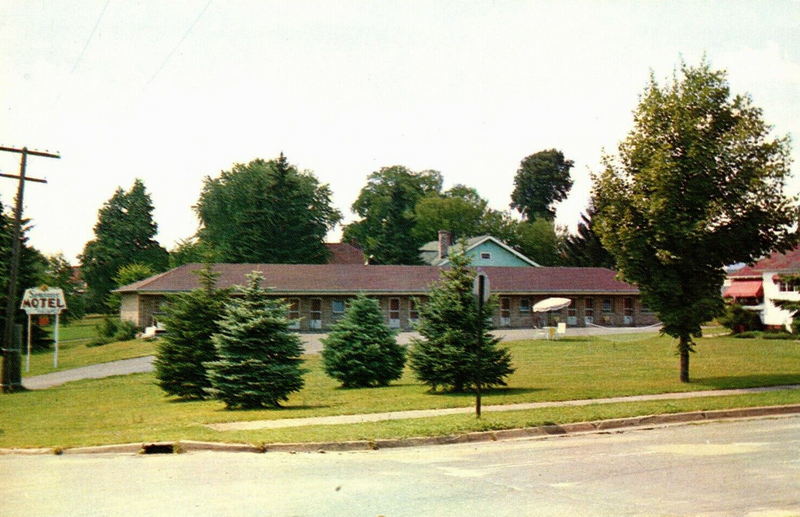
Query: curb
x=598, y=426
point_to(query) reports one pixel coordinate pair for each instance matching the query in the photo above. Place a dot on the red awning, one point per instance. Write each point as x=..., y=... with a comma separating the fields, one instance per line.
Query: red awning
x=744, y=289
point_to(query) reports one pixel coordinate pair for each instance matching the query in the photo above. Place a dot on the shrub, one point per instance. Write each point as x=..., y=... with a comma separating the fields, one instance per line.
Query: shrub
x=361, y=350
x=111, y=330
x=738, y=319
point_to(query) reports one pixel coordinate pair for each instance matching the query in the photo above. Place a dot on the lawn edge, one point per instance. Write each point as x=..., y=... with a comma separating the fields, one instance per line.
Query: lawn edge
x=591, y=427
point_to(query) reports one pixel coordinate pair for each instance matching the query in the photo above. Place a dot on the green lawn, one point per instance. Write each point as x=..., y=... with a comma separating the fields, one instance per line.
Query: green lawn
x=132, y=408
x=73, y=351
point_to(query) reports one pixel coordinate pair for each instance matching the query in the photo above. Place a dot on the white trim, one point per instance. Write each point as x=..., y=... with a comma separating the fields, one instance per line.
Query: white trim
x=499, y=243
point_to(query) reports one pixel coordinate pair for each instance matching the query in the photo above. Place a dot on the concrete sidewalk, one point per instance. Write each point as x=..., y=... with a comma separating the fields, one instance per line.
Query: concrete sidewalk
x=425, y=413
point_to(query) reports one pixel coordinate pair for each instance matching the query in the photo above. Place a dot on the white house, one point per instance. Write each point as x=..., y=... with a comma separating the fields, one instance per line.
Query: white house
x=757, y=287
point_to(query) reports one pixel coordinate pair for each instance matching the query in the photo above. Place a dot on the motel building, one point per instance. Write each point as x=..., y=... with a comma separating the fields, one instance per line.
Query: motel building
x=317, y=294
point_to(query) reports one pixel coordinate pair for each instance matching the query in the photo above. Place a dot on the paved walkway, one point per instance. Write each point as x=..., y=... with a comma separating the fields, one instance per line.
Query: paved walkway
x=425, y=413
x=94, y=371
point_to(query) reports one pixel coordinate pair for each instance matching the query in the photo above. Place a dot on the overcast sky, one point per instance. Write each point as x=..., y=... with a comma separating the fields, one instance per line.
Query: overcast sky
x=173, y=91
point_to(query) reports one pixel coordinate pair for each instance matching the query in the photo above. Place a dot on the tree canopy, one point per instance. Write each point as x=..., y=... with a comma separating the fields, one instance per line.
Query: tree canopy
x=541, y=180
x=266, y=212
x=698, y=183
x=125, y=233
x=386, y=206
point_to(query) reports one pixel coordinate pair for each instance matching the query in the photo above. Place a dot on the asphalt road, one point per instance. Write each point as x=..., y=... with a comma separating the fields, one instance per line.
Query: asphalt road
x=748, y=468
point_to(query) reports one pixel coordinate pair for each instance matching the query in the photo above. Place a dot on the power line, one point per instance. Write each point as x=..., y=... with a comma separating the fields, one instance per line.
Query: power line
x=85, y=46
x=175, y=48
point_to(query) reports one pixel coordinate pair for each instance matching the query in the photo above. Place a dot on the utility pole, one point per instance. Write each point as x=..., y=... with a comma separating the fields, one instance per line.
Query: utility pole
x=11, y=372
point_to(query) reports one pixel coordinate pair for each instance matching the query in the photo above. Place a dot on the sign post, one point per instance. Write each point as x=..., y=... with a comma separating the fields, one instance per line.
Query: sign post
x=480, y=289
x=43, y=300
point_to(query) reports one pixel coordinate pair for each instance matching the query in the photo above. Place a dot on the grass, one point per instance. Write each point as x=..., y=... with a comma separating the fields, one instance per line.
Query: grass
x=73, y=351
x=133, y=408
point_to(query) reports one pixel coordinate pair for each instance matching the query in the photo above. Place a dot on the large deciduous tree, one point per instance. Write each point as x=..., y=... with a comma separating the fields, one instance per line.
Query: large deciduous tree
x=266, y=212
x=541, y=180
x=460, y=210
x=125, y=233
x=698, y=183
x=386, y=206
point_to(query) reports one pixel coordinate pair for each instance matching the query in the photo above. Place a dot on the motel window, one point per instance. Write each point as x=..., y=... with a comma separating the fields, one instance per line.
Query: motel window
x=337, y=307
x=788, y=287
x=485, y=255
x=608, y=306
x=525, y=305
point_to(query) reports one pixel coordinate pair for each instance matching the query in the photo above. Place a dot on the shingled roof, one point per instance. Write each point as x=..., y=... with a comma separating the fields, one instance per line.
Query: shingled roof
x=353, y=278
x=788, y=262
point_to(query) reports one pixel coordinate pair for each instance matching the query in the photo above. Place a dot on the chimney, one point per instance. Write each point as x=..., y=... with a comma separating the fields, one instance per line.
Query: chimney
x=445, y=240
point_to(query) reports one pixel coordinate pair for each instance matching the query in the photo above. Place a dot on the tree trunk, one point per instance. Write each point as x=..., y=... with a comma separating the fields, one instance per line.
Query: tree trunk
x=683, y=350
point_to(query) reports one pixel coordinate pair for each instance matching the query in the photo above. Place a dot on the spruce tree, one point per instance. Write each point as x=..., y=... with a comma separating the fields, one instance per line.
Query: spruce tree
x=125, y=233
x=259, y=357
x=450, y=354
x=361, y=350
x=190, y=319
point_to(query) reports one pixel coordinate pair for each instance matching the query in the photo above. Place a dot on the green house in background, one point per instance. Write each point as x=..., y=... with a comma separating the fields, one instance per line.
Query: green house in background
x=483, y=250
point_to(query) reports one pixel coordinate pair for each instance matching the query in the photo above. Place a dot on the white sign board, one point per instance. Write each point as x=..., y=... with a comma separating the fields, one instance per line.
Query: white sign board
x=48, y=300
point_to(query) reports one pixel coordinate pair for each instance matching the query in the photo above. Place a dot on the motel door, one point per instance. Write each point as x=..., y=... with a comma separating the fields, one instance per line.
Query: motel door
x=394, y=313
x=315, y=316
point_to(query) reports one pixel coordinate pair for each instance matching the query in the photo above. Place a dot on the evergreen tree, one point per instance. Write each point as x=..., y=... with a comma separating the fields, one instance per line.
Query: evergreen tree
x=31, y=273
x=450, y=354
x=259, y=357
x=266, y=212
x=190, y=319
x=584, y=249
x=361, y=350
x=125, y=233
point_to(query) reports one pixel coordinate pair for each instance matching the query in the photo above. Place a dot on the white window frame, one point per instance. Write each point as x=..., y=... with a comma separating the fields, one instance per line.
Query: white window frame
x=486, y=255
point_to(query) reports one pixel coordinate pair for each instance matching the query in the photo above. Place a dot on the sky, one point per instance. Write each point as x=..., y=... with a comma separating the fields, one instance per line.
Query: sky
x=173, y=92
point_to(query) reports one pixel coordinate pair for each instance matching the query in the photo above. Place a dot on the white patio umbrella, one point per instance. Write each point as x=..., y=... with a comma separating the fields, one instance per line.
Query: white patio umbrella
x=551, y=304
